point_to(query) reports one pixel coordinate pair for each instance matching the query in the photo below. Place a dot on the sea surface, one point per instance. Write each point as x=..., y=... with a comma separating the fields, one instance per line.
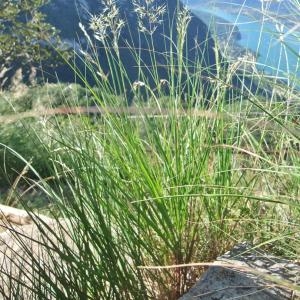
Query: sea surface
x=270, y=29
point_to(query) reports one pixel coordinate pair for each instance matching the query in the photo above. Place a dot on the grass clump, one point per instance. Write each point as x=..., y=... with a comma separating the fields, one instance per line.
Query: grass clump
x=155, y=189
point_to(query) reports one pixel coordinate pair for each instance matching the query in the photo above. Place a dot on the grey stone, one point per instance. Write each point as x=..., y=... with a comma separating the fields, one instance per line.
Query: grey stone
x=259, y=263
x=247, y=274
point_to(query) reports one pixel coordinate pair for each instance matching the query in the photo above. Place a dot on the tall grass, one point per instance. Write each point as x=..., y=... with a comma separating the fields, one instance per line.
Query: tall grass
x=159, y=189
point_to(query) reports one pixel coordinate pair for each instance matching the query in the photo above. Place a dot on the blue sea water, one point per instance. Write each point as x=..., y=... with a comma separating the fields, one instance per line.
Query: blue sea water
x=270, y=29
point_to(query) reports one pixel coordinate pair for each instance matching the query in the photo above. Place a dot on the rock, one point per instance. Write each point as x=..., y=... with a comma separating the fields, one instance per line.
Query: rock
x=11, y=215
x=24, y=250
x=247, y=275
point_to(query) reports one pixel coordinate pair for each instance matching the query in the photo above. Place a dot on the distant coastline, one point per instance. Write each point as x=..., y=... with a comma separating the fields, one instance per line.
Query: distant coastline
x=227, y=33
x=245, y=30
x=223, y=28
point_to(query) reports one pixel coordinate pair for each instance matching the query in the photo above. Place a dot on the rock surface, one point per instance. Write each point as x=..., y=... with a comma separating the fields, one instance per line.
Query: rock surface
x=253, y=275
x=24, y=251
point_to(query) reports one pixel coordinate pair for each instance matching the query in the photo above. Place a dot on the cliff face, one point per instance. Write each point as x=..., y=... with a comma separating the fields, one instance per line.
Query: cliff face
x=66, y=15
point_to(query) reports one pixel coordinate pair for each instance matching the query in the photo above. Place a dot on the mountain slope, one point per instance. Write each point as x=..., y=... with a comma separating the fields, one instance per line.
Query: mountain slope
x=199, y=46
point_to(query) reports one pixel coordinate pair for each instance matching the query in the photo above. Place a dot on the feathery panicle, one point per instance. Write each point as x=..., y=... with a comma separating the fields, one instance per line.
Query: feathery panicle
x=149, y=14
x=107, y=23
x=183, y=19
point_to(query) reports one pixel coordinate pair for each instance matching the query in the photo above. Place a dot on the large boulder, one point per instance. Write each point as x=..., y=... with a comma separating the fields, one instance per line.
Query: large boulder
x=247, y=274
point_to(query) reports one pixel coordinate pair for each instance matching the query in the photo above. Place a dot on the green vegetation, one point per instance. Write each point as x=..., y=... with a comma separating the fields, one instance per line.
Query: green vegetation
x=152, y=189
x=30, y=136
x=24, y=37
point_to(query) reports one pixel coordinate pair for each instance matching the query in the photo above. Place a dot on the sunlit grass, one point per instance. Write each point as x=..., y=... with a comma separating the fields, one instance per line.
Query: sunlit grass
x=166, y=189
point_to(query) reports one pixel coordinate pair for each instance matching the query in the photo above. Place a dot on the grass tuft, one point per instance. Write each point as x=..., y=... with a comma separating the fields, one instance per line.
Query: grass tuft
x=171, y=188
